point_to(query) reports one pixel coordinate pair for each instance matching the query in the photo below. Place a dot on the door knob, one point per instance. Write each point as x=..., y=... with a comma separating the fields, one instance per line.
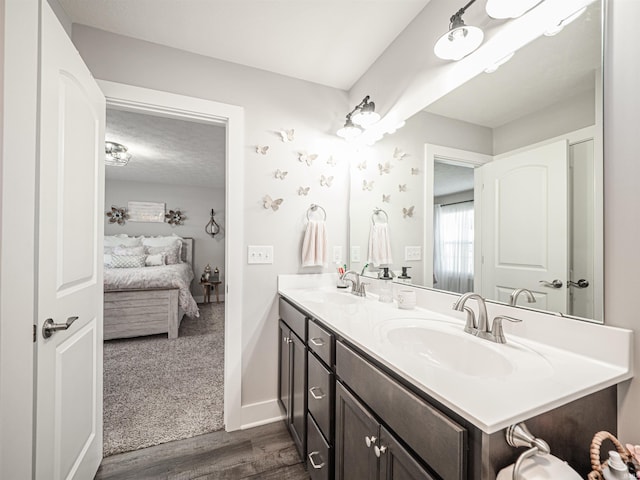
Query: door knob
x=49, y=327
x=582, y=283
x=555, y=284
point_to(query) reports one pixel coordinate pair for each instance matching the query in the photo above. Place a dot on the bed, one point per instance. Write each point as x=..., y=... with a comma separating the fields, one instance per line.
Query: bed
x=149, y=300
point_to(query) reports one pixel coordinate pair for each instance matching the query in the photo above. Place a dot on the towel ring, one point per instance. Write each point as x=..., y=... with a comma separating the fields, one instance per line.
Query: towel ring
x=378, y=211
x=315, y=207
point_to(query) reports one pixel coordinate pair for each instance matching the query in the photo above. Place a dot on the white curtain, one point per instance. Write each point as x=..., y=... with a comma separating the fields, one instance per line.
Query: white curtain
x=453, y=247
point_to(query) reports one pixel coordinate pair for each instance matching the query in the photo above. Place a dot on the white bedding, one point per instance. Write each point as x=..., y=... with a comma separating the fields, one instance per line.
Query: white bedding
x=178, y=276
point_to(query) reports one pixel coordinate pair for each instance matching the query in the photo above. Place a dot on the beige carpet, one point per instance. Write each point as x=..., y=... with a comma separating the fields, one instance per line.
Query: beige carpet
x=158, y=390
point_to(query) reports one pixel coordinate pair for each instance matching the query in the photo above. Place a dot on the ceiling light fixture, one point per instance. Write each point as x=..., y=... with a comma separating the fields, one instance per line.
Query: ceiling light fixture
x=116, y=154
x=363, y=115
x=460, y=40
x=509, y=8
x=559, y=26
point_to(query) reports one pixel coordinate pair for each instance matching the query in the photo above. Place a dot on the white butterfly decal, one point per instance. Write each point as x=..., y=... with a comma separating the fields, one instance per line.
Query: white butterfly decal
x=403, y=187
x=386, y=168
x=362, y=166
x=307, y=158
x=262, y=149
x=331, y=161
x=269, y=202
x=398, y=154
x=325, y=181
x=407, y=212
x=386, y=198
x=367, y=185
x=280, y=174
x=415, y=171
x=287, y=135
x=303, y=190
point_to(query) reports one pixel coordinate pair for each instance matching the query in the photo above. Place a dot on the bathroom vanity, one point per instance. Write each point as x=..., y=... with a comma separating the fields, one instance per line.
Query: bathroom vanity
x=371, y=391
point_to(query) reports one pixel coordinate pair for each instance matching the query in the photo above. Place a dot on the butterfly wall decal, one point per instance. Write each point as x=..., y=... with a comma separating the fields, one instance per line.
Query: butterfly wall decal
x=270, y=203
x=415, y=171
x=287, y=135
x=303, y=190
x=386, y=168
x=262, y=150
x=398, y=154
x=325, y=181
x=367, y=185
x=280, y=174
x=331, y=161
x=407, y=212
x=386, y=198
x=402, y=187
x=362, y=165
x=307, y=158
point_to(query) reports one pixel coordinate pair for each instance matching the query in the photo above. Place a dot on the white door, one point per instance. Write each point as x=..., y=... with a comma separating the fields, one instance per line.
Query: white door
x=69, y=362
x=525, y=227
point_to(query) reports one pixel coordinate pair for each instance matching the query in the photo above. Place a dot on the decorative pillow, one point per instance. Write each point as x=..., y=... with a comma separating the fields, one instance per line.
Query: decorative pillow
x=171, y=252
x=122, y=239
x=121, y=250
x=127, y=261
x=155, y=260
x=164, y=242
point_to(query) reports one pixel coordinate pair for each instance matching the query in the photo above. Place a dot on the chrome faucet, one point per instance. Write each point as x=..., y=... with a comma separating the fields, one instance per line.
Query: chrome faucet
x=513, y=298
x=357, y=287
x=481, y=327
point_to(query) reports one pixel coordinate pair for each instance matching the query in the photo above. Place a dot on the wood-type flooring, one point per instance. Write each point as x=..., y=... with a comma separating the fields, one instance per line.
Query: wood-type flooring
x=264, y=453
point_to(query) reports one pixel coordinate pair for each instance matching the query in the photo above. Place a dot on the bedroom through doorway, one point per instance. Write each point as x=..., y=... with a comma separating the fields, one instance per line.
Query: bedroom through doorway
x=164, y=338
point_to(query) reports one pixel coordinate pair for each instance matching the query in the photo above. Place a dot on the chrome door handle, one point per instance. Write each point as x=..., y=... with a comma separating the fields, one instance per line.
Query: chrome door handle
x=380, y=450
x=582, y=283
x=313, y=394
x=370, y=440
x=315, y=465
x=318, y=342
x=49, y=327
x=555, y=284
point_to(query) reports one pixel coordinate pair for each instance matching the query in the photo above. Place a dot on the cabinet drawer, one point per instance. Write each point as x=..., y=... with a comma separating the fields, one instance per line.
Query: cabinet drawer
x=319, y=394
x=318, y=453
x=293, y=317
x=321, y=342
x=437, y=439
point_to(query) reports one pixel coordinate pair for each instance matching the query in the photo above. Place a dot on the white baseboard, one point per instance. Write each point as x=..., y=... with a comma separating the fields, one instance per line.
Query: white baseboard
x=261, y=413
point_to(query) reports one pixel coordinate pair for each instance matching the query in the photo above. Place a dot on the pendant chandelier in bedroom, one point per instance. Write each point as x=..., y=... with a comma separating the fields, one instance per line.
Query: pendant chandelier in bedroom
x=116, y=155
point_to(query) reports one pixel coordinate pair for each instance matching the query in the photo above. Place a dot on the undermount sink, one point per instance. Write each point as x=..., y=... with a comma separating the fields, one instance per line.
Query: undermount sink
x=448, y=347
x=335, y=297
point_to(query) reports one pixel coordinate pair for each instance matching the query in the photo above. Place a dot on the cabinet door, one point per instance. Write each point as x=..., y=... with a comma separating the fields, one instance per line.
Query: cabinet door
x=357, y=433
x=284, y=374
x=396, y=463
x=298, y=392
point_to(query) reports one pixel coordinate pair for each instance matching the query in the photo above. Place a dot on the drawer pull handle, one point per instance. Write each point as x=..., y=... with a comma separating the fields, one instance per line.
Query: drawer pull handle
x=370, y=440
x=315, y=465
x=314, y=395
x=379, y=451
x=318, y=342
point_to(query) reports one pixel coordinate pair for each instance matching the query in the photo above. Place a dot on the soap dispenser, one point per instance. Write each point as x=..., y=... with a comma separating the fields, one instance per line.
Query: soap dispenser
x=616, y=468
x=386, y=289
x=404, y=277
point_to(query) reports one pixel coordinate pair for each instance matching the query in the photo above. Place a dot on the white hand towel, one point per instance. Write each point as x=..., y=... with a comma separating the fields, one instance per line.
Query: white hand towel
x=314, y=245
x=379, y=245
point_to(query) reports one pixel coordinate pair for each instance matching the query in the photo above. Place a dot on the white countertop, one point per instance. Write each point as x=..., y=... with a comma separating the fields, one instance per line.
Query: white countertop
x=538, y=376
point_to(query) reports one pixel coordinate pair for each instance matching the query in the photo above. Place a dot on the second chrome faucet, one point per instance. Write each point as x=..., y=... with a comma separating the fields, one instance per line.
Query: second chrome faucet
x=480, y=327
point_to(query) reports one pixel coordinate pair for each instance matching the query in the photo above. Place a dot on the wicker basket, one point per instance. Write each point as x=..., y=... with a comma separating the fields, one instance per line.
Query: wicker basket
x=596, y=464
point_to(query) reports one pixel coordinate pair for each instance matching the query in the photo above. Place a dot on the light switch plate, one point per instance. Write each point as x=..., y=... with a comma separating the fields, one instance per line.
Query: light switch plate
x=355, y=254
x=412, y=253
x=260, y=254
x=337, y=254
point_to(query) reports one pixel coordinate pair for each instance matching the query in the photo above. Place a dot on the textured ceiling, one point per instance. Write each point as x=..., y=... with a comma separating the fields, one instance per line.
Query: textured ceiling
x=167, y=150
x=331, y=42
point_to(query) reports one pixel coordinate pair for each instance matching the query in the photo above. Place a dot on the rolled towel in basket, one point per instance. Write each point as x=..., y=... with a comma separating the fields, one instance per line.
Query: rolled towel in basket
x=379, y=245
x=314, y=245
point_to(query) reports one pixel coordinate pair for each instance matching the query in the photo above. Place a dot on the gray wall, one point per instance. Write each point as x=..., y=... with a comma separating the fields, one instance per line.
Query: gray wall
x=271, y=102
x=195, y=202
